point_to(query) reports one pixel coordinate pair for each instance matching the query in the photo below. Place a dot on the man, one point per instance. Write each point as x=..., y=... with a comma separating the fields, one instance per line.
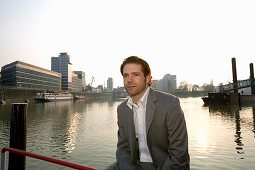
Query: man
x=152, y=132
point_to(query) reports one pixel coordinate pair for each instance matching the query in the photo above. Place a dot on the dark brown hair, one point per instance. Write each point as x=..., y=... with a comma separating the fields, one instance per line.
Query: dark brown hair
x=136, y=60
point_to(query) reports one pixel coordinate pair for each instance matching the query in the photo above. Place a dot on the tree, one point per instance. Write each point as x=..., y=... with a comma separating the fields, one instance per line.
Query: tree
x=195, y=87
x=183, y=85
x=208, y=87
x=189, y=87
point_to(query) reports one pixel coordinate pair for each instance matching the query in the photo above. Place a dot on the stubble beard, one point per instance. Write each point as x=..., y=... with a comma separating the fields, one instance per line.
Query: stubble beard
x=137, y=91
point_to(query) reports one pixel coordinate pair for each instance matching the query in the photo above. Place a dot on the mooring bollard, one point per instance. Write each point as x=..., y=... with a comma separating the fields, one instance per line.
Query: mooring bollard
x=18, y=135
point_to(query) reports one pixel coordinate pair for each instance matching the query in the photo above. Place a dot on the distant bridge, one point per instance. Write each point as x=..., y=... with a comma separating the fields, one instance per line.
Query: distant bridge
x=234, y=86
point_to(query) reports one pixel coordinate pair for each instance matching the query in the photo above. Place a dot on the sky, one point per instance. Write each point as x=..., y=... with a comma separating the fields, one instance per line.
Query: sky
x=192, y=39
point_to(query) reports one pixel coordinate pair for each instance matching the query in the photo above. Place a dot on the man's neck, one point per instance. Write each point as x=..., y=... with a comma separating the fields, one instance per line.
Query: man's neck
x=137, y=98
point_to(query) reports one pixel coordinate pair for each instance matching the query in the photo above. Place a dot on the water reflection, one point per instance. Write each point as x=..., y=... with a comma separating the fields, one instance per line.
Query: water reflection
x=202, y=140
x=253, y=111
x=232, y=112
x=58, y=125
x=85, y=132
x=238, y=137
x=4, y=125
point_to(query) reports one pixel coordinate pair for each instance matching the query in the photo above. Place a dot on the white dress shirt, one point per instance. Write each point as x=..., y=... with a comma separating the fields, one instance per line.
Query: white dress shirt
x=139, y=111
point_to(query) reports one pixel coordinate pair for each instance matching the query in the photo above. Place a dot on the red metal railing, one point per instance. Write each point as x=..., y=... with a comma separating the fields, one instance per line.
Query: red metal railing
x=45, y=158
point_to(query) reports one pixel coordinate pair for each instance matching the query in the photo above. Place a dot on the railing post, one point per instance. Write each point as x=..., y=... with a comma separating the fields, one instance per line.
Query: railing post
x=18, y=135
x=252, y=79
x=3, y=161
x=234, y=75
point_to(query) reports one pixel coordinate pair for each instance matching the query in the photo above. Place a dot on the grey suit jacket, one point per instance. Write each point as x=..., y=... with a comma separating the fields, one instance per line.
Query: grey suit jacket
x=166, y=134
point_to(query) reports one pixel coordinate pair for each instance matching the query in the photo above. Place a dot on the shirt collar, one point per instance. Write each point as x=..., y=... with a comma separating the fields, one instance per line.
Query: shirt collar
x=142, y=101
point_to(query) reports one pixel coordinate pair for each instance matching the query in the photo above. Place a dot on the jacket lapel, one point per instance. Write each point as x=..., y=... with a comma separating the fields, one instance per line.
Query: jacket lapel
x=131, y=131
x=130, y=120
x=129, y=116
x=150, y=108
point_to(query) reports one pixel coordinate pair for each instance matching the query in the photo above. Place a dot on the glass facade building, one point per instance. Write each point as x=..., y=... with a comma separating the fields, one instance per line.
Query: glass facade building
x=76, y=83
x=110, y=84
x=62, y=65
x=81, y=75
x=20, y=74
x=71, y=81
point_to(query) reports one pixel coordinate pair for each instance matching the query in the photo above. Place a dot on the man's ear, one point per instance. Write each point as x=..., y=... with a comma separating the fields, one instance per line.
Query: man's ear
x=148, y=78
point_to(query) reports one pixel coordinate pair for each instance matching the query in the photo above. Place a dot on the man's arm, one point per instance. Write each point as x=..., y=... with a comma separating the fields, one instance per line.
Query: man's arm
x=123, y=153
x=178, y=139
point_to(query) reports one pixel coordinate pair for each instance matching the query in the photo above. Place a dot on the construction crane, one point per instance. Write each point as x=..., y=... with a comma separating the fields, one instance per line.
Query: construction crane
x=89, y=86
x=91, y=81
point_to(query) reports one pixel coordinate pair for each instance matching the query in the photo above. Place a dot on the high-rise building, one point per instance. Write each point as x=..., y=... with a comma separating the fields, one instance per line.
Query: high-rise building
x=20, y=74
x=159, y=85
x=71, y=80
x=81, y=75
x=76, y=84
x=169, y=83
x=62, y=64
x=55, y=64
x=110, y=84
x=154, y=83
x=101, y=87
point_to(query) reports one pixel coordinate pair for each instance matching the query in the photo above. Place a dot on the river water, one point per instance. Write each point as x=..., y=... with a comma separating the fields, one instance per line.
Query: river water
x=85, y=132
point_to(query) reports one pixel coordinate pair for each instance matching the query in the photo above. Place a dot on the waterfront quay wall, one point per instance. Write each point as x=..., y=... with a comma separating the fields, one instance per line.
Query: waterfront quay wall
x=247, y=99
x=21, y=95
x=190, y=94
x=93, y=95
x=18, y=95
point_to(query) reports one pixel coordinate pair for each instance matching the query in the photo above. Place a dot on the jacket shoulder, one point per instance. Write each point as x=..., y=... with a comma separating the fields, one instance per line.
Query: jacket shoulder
x=122, y=105
x=165, y=96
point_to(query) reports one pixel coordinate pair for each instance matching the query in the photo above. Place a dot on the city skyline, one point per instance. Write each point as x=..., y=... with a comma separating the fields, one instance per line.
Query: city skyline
x=55, y=68
x=193, y=40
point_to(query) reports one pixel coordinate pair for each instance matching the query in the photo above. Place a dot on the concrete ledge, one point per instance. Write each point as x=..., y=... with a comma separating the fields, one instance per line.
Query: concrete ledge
x=234, y=98
x=247, y=99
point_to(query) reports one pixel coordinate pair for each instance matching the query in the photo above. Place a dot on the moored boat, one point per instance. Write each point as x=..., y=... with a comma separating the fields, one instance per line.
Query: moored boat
x=205, y=99
x=52, y=97
x=77, y=97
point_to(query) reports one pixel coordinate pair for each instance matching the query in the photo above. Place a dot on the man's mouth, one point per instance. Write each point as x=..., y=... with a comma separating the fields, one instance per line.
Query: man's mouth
x=131, y=86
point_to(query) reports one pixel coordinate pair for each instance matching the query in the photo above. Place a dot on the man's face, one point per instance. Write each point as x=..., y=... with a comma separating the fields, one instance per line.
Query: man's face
x=135, y=82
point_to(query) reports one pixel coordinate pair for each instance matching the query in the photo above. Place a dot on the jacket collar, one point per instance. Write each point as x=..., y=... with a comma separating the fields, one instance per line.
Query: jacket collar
x=150, y=108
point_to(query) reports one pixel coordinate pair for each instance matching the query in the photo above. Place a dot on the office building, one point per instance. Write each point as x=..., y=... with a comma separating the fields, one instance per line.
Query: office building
x=101, y=87
x=20, y=74
x=169, y=83
x=154, y=84
x=159, y=85
x=71, y=80
x=109, y=84
x=81, y=75
x=76, y=84
x=61, y=64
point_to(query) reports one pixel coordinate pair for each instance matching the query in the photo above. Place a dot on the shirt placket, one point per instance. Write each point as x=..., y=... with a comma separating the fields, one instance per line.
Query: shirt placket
x=136, y=121
x=140, y=125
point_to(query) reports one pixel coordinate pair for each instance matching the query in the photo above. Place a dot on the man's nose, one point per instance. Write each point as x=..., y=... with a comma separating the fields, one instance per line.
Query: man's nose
x=130, y=78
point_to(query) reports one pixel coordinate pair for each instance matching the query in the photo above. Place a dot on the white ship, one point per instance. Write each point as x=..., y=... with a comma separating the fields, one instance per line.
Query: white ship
x=77, y=97
x=52, y=97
